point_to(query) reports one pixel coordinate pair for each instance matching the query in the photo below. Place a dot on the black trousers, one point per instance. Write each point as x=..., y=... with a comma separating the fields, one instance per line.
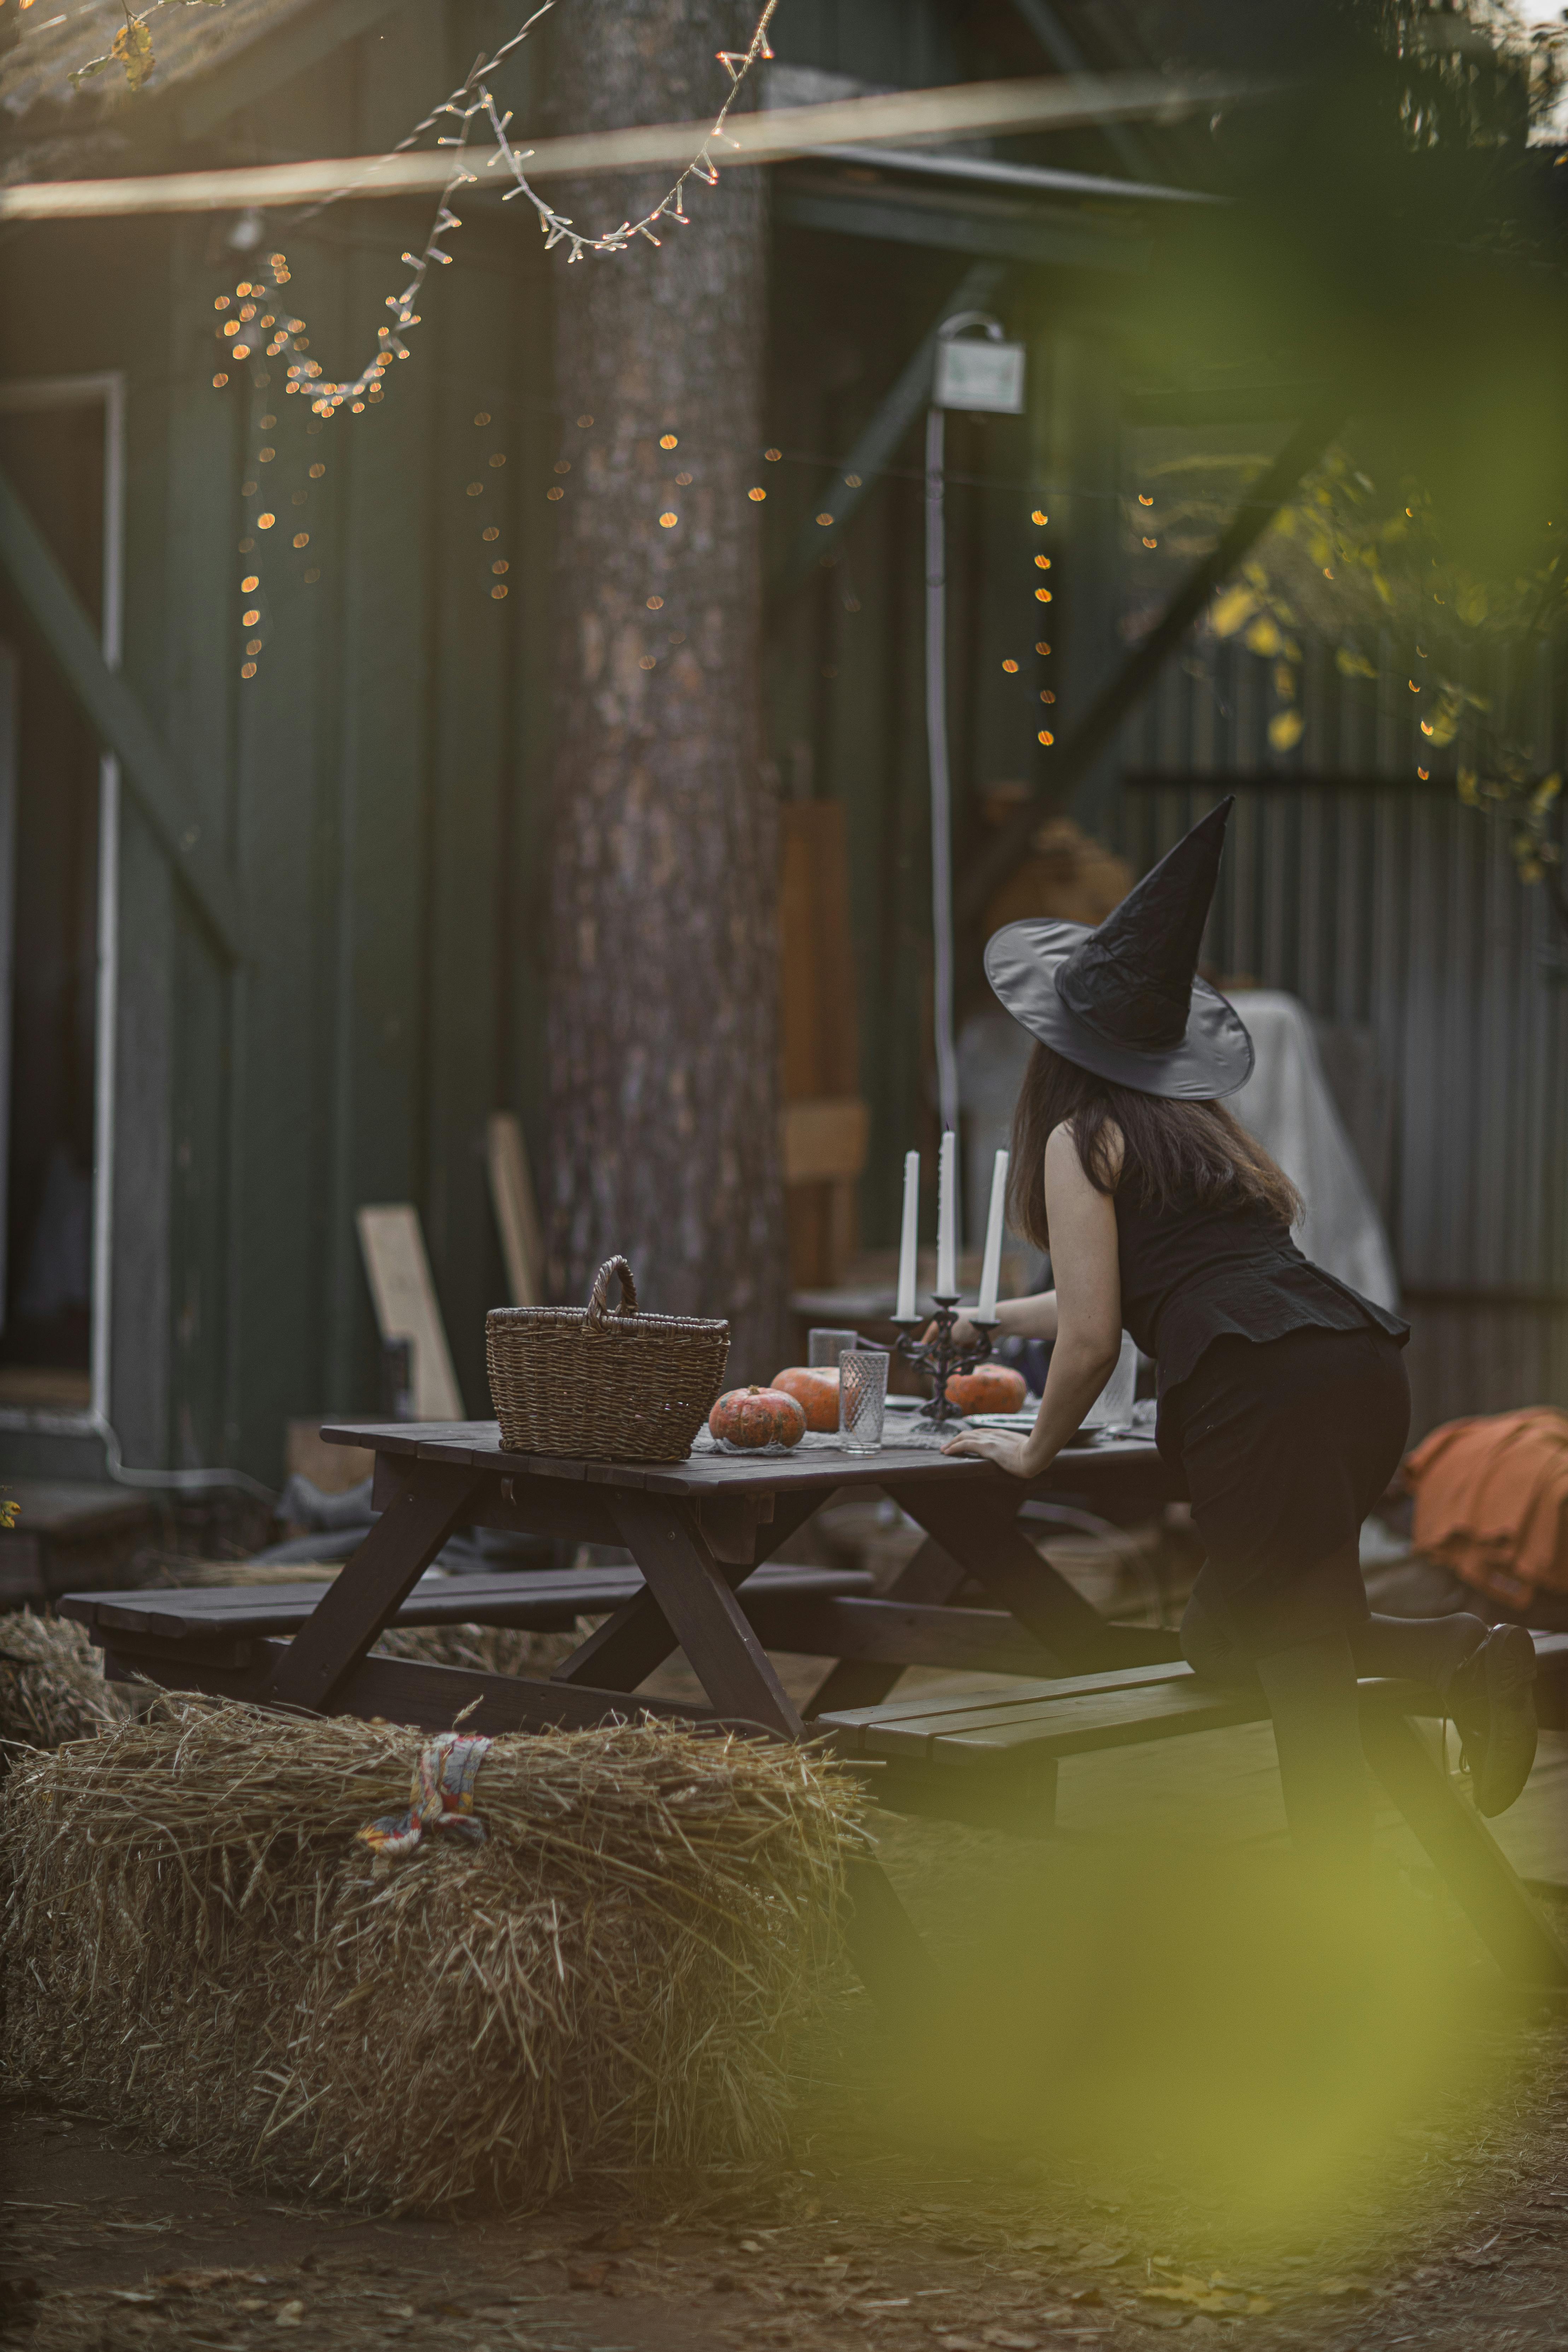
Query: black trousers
x=1287, y=1445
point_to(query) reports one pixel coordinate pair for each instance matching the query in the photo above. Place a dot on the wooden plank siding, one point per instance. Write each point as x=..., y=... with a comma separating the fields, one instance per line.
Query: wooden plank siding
x=366, y=785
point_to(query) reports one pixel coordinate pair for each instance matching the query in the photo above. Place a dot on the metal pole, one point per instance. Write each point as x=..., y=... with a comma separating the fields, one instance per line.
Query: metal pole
x=941, y=779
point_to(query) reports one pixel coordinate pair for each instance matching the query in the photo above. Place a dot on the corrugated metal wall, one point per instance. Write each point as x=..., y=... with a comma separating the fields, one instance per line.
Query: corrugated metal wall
x=1386, y=904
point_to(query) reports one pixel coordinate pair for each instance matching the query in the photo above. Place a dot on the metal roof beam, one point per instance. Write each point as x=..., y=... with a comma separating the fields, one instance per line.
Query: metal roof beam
x=979, y=225
x=1131, y=679
x=117, y=719
x=982, y=169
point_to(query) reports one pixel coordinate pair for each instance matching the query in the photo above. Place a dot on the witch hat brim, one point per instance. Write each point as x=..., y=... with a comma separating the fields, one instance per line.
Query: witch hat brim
x=1125, y=1001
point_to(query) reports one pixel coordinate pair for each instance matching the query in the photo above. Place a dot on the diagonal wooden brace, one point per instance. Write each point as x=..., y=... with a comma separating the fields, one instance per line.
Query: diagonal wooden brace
x=373, y=1586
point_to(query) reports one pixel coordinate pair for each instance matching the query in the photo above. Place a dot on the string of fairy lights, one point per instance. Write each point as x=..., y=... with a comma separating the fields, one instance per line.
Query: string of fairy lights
x=251, y=320
x=262, y=336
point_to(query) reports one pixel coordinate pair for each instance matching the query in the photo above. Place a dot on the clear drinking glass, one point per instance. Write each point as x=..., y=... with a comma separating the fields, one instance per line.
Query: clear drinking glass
x=824, y=1347
x=1113, y=1408
x=862, y=1399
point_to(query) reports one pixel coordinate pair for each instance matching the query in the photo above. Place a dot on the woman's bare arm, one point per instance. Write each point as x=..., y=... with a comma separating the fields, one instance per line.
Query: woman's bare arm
x=1087, y=1315
x=1017, y=1319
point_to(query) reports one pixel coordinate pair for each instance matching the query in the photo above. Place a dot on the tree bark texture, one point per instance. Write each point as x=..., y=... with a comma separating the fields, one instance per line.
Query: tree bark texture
x=662, y=1009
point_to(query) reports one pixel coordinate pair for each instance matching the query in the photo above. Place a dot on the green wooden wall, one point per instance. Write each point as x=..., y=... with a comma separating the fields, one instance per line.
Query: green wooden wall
x=376, y=786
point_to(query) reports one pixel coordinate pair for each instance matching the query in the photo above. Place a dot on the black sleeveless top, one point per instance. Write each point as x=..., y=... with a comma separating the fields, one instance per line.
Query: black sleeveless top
x=1192, y=1273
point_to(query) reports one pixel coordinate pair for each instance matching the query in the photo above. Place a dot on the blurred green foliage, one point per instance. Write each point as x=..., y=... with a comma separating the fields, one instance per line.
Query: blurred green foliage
x=1398, y=240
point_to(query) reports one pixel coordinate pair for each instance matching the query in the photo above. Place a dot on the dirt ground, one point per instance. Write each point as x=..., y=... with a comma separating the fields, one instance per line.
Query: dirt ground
x=1151, y=2103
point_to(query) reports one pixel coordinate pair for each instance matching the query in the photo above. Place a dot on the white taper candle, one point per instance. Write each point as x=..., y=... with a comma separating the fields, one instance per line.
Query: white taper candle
x=947, y=1217
x=909, y=1239
x=991, y=1269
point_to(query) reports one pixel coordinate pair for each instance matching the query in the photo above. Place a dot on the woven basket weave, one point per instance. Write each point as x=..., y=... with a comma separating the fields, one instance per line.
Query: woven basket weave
x=621, y=1387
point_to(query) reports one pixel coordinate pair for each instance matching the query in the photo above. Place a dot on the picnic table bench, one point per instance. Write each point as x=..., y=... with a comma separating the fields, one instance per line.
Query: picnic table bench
x=701, y=1535
x=991, y=1759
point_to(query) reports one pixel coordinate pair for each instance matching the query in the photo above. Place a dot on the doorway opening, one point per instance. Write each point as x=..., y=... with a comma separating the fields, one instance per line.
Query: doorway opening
x=60, y=446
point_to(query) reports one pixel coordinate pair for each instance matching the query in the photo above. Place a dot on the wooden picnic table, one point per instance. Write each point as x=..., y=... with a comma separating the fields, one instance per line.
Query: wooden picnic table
x=698, y=1531
x=701, y=1534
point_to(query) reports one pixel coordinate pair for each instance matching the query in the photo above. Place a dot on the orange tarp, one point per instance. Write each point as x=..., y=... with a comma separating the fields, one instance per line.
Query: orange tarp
x=1492, y=1502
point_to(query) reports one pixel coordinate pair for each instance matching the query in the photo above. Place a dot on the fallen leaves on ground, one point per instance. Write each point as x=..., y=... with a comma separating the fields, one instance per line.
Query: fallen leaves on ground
x=1215, y=2293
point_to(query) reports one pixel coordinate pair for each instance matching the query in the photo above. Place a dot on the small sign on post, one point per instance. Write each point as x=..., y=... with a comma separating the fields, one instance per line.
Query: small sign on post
x=980, y=375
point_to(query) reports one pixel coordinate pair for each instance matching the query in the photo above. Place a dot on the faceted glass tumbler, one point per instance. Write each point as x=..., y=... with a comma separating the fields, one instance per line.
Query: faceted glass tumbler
x=1113, y=1408
x=824, y=1347
x=862, y=1399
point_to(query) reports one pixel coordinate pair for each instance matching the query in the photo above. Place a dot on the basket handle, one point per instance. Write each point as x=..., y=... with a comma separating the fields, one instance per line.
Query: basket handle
x=598, y=1314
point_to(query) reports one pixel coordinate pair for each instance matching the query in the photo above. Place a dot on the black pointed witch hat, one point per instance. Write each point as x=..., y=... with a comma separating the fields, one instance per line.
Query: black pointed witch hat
x=1125, y=1001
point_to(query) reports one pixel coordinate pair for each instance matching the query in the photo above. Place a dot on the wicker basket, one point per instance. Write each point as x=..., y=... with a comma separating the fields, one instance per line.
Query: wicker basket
x=609, y=1388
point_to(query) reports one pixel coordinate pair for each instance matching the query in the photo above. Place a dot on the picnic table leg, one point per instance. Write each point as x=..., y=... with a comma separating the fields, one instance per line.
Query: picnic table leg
x=1474, y=1866
x=636, y=1639
x=982, y=1534
x=884, y=1944
x=372, y=1586
x=701, y=1610
x=929, y=1578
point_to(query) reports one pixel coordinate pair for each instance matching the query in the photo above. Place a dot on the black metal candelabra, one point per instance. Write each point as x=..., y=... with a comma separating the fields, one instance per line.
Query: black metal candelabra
x=938, y=1358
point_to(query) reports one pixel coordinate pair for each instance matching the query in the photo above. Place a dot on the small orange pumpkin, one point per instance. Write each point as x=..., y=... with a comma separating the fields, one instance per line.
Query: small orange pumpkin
x=754, y=1418
x=990, y=1388
x=816, y=1388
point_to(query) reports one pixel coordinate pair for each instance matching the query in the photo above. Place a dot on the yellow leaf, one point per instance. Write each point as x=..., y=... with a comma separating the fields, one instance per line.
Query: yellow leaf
x=1545, y=793
x=1232, y=608
x=132, y=44
x=1285, y=681
x=1468, y=793
x=1351, y=664
x=1263, y=637
x=1285, y=730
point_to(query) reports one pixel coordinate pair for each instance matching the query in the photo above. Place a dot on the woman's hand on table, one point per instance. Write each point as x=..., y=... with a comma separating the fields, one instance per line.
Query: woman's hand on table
x=1019, y=1456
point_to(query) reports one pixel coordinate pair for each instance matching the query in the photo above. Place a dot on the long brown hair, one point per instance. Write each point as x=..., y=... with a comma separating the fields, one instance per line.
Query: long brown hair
x=1177, y=1150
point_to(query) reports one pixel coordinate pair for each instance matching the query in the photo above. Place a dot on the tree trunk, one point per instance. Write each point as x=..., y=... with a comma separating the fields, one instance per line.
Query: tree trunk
x=662, y=1014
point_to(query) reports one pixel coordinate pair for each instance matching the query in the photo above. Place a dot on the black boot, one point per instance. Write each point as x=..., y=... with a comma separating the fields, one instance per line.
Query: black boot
x=1493, y=1699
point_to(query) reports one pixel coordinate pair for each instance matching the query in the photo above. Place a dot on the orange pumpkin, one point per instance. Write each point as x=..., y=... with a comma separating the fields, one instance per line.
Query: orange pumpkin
x=816, y=1388
x=990, y=1388
x=754, y=1418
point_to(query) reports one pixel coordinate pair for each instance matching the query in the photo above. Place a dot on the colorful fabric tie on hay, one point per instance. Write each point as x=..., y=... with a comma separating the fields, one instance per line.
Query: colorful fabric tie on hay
x=442, y=1798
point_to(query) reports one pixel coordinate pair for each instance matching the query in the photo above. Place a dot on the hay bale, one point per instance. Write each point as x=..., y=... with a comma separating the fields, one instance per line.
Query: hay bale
x=484, y=1649
x=609, y=1982
x=51, y=1683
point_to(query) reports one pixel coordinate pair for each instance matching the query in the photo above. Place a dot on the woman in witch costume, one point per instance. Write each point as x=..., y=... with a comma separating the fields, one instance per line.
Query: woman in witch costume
x=1282, y=1393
